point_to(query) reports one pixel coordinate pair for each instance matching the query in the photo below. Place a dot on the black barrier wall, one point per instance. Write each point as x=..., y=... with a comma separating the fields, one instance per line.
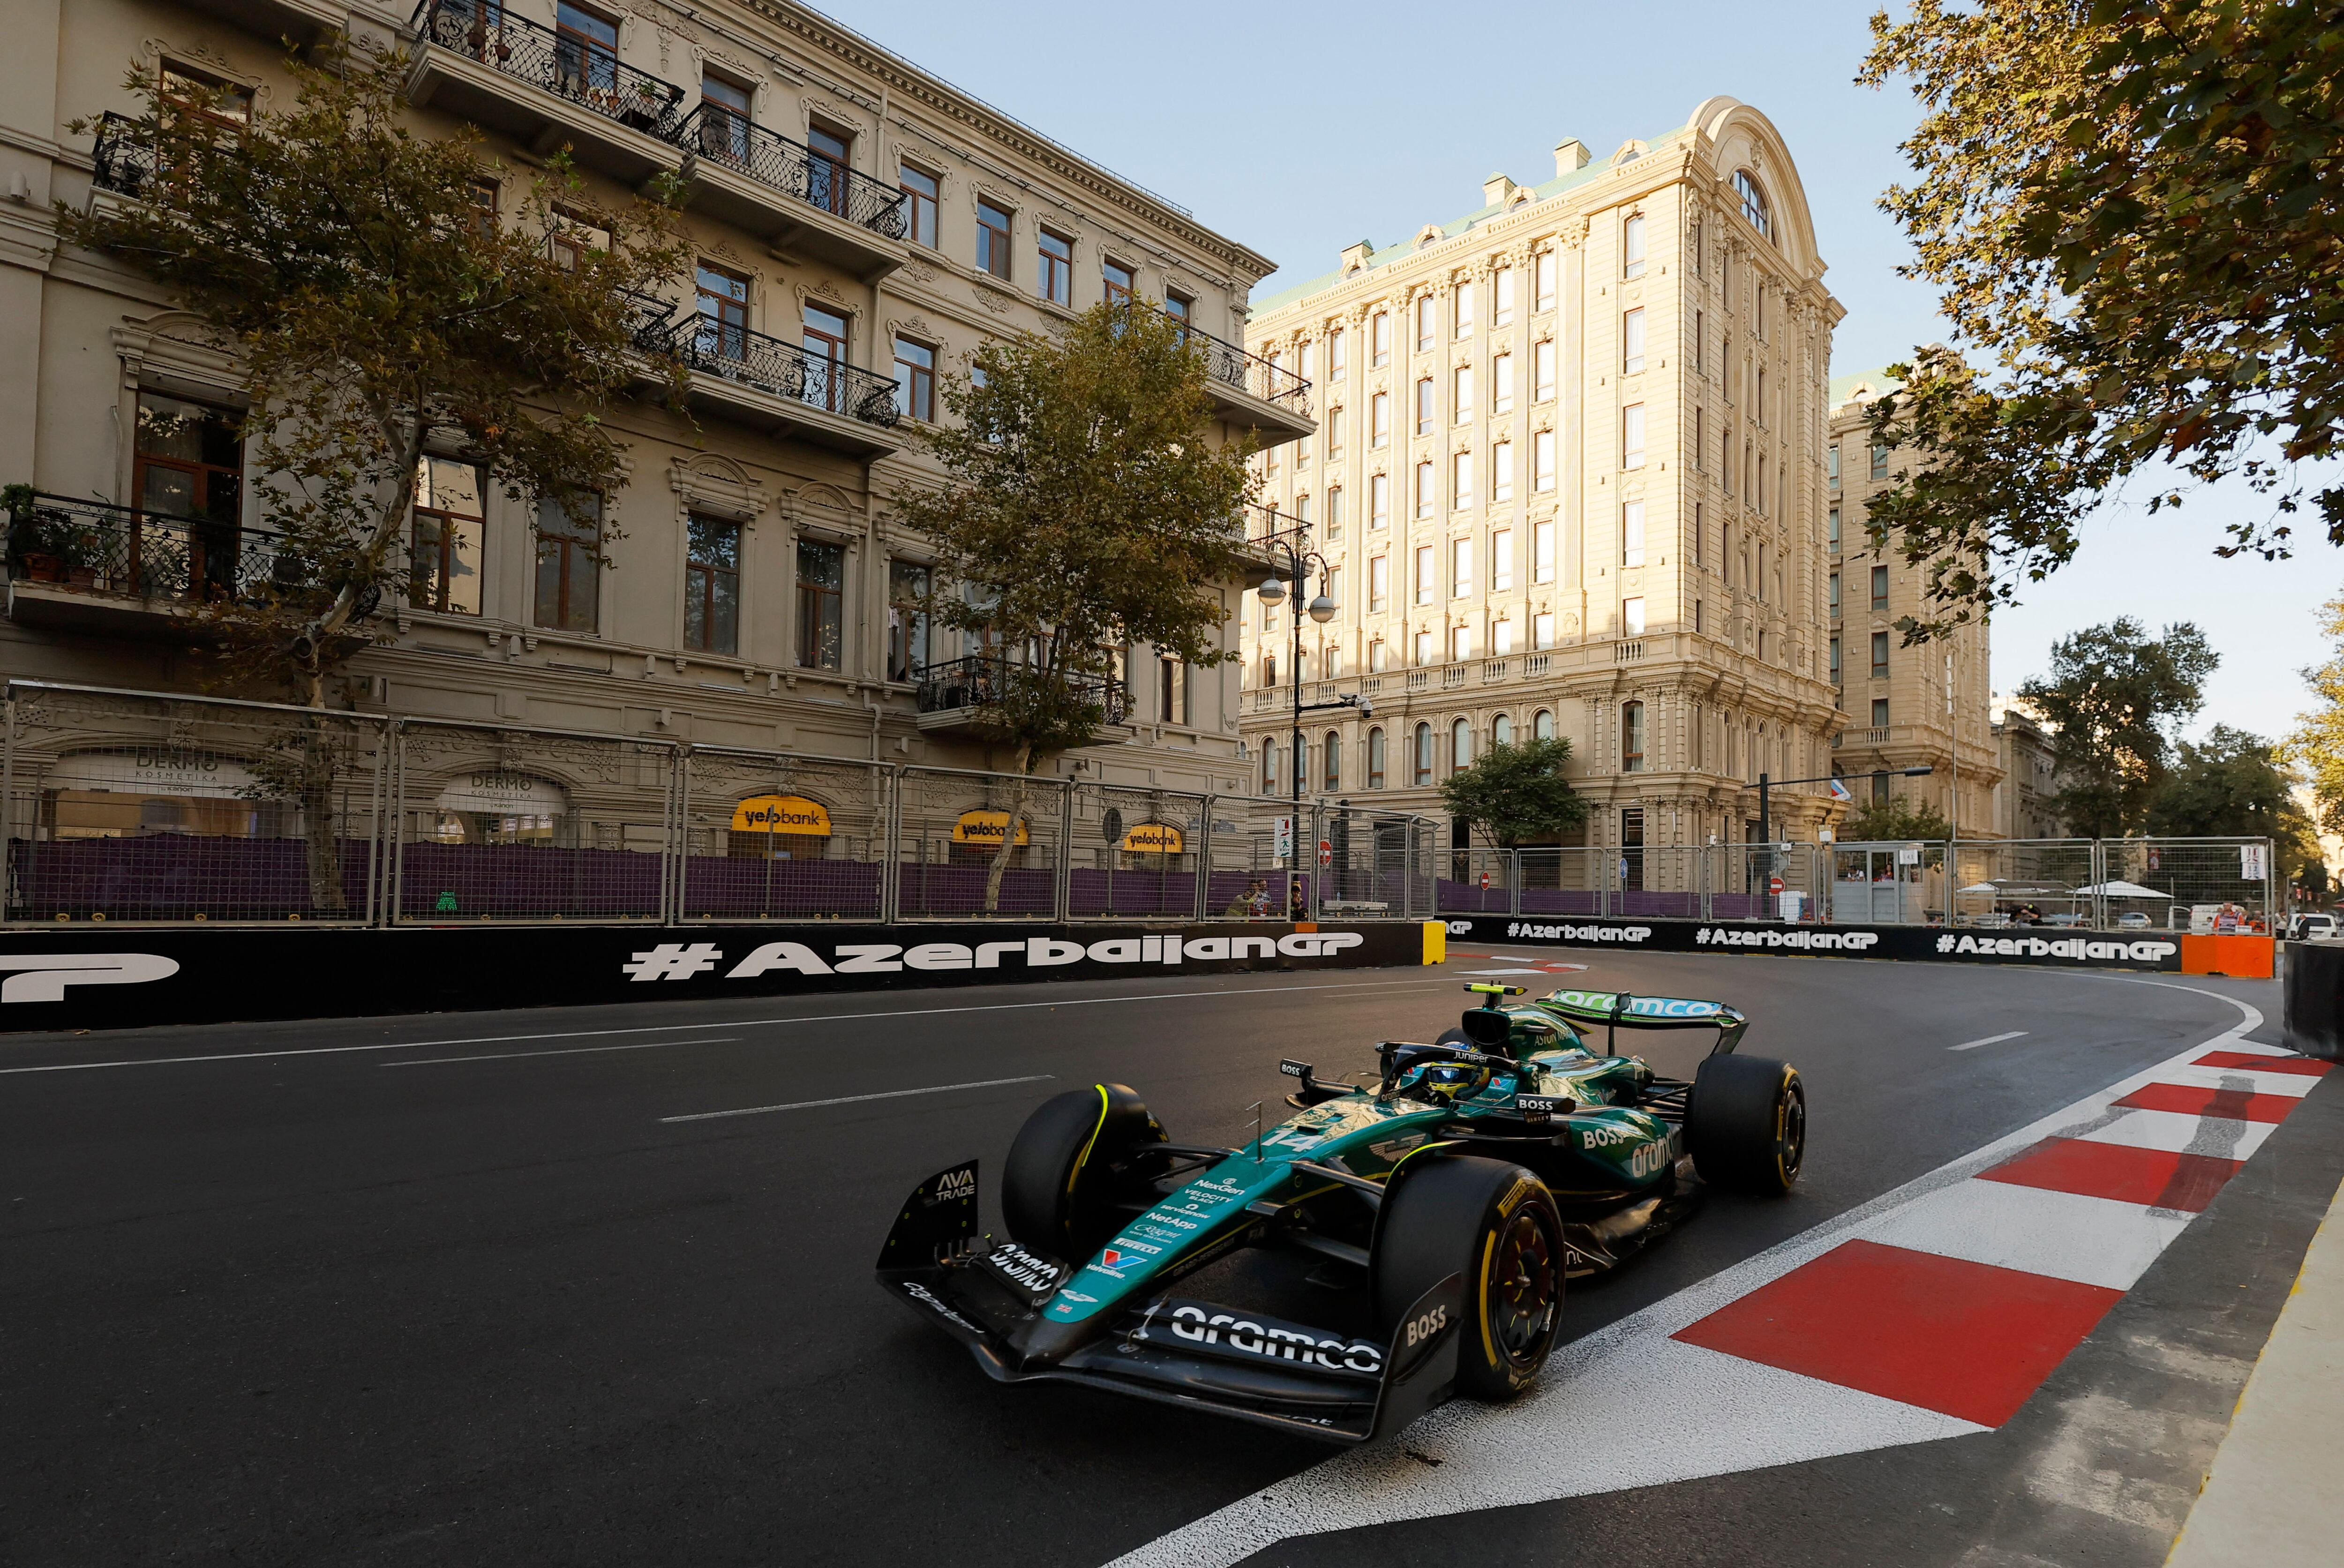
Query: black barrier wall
x=1923, y=944
x=2315, y=998
x=96, y=979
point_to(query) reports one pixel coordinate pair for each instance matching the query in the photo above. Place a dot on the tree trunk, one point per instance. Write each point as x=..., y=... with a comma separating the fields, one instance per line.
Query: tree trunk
x=320, y=771
x=1000, y=866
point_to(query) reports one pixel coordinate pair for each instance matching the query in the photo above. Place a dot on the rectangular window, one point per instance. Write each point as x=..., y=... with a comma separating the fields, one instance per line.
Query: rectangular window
x=1502, y=638
x=1502, y=384
x=1834, y=595
x=1831, y=535
x=1379, y=338
x=569, y=568
x=1631, y=247
x=1834, y=662
x=1831, y=466
x=1425, y=499
x=1631, y=342
x=1378, y=501
x=1880, y=655
x=1464, y=310
x=1700, y=543
x=1460, y=480
x=1502, y=301
x=1501, y=561
x=712, y=586
x=1758, y=404
x=919, y=188
x=1631, y=436
x=1334, y=433
x=1631, y=617
x=1545, y=281
x=1172, y=690
x=1542, y=460
x=1053, y=277
x=1180, y=309
x=1542, y=553
x=907, y=623
x=1462, y=386
x=1427, y=588
x=1700, y=439
x=826, y=169
x=1460, y=642
x=1426, y=310
x=822, y=335
x=1880, y=463
x=1115, y=281
x=1632, y=533
x=1335, y=593
x=1378, y=584
x=1302, y=507
x=916, y=379
x=723, y=298
x=585, y=54
x=1542, y=629
x=822, y=584
x=1762, y=574
x=1879, y=721
x=1758, y=301
x=1502, y=471
x=1335, y=514
x=1380, y=419
x=1880, y=588
x=1542, y=372
x=991, y=239
x=486, y=195
x=1761, y=482
x=1699, y=625
x=1700, y=335
x=1337, y=358
x=1424, y=647
x=190, y=464
x=443, y=556
x=1461, y=569
x=1424, y=407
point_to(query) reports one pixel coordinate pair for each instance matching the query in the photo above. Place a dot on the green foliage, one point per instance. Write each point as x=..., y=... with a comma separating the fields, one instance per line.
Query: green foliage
x=2317, y=745
x=1895, y=820
x=2132, y=208
x=2115, y=698
x=2236, y=784
x=377, y=312
x=1514, y=795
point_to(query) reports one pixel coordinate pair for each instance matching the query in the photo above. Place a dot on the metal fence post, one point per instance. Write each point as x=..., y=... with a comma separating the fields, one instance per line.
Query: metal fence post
x=890, y=862
x=1209, y=804
x=1062, y=894
x=9, y=814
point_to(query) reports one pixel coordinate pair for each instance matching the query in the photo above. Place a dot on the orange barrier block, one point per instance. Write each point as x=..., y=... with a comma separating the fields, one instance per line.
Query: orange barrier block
x=2240, y=957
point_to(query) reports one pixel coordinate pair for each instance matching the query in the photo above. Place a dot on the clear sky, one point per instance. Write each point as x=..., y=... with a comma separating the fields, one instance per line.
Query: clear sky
x=1298, y=129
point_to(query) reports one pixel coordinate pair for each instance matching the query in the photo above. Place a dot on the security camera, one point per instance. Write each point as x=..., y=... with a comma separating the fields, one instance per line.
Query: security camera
x=1367, y=708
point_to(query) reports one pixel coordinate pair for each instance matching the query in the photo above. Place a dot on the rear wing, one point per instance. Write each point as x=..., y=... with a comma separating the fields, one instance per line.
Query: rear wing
x=1614, y=1009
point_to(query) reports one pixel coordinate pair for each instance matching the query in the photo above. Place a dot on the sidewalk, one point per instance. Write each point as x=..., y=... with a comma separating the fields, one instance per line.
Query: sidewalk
x=2273, y=1497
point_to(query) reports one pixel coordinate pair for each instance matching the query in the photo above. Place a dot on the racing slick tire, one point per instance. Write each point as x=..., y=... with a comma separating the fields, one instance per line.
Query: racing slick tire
x=1746, y=1126
x=1077, y=1154
x=1496, y=1225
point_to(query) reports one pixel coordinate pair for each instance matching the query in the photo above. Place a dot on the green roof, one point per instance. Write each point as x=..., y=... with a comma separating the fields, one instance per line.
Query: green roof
x=1262, y=303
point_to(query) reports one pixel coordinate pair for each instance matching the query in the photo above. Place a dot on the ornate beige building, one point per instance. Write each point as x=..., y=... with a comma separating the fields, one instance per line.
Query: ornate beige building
x=1897, y=698
x=861, y=226
x=1569, y=480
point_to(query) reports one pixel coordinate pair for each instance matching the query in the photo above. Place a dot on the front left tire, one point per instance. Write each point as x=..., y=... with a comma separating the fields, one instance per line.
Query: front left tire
x=1495, y=1224
x=1077, y=1156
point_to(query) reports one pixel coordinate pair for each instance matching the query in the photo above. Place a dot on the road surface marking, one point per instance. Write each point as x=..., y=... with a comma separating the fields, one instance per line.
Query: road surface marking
x=1989, y=1040
x=1964, y=1309
x=1505, y=971
x=719, y=1024
x=563, y=1051
x=855, y=1099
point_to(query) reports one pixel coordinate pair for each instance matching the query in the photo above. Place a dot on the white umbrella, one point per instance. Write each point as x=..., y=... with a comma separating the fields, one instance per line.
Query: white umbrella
x=1981, y=888
x=2123, y=890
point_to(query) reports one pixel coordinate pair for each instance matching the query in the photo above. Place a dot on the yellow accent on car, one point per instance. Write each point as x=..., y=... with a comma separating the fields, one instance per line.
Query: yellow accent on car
x=1482, y=1302
x=1090, y=1143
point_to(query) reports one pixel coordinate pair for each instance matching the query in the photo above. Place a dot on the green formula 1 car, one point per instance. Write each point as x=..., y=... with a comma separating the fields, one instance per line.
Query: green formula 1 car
x=1442, y=1208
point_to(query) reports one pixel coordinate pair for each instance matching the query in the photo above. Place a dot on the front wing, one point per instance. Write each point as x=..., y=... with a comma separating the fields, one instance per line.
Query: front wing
x=1230, y=1361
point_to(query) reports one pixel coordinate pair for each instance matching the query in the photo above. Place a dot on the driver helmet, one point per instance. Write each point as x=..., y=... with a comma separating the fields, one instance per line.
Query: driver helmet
x=1450, y=1081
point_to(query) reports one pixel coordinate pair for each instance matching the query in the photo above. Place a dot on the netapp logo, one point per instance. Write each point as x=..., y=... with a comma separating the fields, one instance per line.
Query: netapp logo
x=2075, y=949
x=1528, y=932
x=683, y=961
x=43, y=977
x=1797, y=941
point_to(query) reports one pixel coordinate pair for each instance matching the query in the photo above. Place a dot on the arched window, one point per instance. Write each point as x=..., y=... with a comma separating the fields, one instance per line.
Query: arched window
x=1753, y=202
x=1423, y=769
x=1334, y=766
x=1501, y=730
x=1632, y=737
x=1460, y=744
x=1376, y=759
x=1542, y=725
x=1269, y=669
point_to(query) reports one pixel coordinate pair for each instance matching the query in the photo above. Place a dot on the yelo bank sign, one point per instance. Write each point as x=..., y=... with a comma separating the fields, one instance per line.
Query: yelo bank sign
x=782, y=814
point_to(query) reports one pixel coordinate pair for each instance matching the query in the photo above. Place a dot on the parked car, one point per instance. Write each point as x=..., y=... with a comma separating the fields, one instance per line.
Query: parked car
x=2134, y=920
x=2314, y=927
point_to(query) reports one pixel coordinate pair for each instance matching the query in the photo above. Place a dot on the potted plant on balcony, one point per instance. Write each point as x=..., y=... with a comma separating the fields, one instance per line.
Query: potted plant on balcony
x=46, y=543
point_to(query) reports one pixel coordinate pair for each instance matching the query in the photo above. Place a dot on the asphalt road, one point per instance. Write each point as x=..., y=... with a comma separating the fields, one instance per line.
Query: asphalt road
x=451, y=1289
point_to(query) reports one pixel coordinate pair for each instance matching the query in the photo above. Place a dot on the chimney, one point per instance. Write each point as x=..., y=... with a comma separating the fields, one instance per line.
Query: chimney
x=1495, y=189
x=1571, y=156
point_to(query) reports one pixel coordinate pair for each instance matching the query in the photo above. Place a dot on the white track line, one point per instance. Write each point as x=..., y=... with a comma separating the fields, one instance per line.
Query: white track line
x=1669, y=1411
x=563, y=1051
x=1989, y=1040
x=856, y=1100
x=721, y=1024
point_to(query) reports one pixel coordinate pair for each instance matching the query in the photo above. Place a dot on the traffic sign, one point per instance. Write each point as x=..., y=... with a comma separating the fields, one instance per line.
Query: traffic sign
x=1325, y=852
x=1485, y=882
x=1774, y=886
x=1284, y=849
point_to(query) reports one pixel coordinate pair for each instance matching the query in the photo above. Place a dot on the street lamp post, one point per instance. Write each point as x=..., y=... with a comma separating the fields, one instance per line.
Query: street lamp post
x=1765, y=829
x=1320, y=609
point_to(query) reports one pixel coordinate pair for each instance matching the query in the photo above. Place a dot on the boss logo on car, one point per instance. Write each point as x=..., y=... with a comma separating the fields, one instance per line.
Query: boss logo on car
x=1601, y=1137
x=1422, y=1329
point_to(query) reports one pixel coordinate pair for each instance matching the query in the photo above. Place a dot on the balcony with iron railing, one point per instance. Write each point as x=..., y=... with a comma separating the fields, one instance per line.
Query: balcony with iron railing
x=789, y=194
x=93, y=566
x=767, y=384
x=953, y=695
x=544, y=85
x=123, y=161
x=1250, y=392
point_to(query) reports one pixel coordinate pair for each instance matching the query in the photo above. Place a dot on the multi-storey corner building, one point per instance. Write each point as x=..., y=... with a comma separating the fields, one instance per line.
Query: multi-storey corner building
x=1569, y=481
x=2026, y=801
x=1905, y=706
x=860, y=228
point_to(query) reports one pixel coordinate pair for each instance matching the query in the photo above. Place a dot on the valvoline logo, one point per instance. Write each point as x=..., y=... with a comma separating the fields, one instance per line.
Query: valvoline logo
x=1115, y=1259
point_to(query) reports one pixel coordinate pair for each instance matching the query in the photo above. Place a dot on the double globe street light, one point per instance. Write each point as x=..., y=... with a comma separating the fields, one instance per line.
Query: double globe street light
x=1320, y=609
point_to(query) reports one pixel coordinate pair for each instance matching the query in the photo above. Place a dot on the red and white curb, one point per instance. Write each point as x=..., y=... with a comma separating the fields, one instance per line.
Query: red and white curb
x=1934, y=1311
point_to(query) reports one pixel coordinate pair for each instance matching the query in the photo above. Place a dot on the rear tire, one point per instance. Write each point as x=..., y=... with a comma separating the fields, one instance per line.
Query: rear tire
x=1076, y=1155
x=1496, y=1225
x=1746, y=1127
